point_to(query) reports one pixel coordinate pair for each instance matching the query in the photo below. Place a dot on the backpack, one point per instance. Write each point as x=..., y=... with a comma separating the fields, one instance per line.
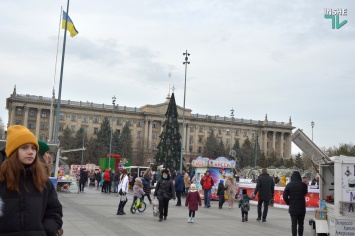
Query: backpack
x=144, y=182
x=107, y=176
x=244, y=203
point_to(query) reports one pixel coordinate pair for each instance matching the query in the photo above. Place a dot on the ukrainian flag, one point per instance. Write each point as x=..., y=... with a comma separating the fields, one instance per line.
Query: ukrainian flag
x=70, y=26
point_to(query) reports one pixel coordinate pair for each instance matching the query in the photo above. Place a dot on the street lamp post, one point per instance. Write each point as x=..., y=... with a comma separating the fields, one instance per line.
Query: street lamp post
x=312, y=124
x=230, y=133
x=186, y=62
x=113, y=107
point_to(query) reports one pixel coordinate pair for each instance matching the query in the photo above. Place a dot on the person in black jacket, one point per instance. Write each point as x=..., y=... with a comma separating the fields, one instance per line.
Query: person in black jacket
x=265, y=187
x=98, y=178
x=30, y=203
x=164, y=191
x=220, y=193
x=294, y=196
x=83, y=179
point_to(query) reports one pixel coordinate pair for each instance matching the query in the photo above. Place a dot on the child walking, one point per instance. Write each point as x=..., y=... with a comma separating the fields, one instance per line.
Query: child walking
x=244, y=205
x=193, y=200
x=220, y=193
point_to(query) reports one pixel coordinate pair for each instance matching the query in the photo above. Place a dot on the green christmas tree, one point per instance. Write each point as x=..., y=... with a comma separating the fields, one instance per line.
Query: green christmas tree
x=169, y=147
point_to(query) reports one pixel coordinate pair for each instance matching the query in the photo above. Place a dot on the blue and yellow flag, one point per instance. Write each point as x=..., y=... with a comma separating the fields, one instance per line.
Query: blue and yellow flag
x=70, y=25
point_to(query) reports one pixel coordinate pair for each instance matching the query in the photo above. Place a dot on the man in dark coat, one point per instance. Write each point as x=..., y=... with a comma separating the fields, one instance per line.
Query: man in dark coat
x=294, y=196
x=83, y=179
x=179, y=187
x=265, y=187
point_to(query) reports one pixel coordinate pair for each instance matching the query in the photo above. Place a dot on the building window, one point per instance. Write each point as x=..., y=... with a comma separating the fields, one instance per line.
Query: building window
x=31, y=113
x=191, y=128
x=154, y=147
x=119, y=121
x=85, y=119
x=73, y=117
x=61, y=128
x=31, y=125
x=95, y=119
x=228, y=141
x=72, y=128
x=96, y=130
x=43, y=126
x=191, y=139
x=61, y=117
x=200, y=129
x=236, y=132
x=219, y=131
x=200, y=138
x=139, y=134
x=85, y=128
x=155, y=124
x=254, y=134
x=199, y=150
x=19, y=112
x=218, y=140
x=139, y=123
x=44, y=114
x=43, y=137
x=190, y=149
x=18, y=122
x=154, y=135
x=245, y=133
x=228, y=132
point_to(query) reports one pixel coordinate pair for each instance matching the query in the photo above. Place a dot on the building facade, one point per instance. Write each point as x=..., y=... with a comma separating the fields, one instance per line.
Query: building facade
x=146, y=125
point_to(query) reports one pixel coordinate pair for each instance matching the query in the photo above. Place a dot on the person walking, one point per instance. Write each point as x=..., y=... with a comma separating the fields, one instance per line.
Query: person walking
x=98, y=179
x=107, y=177
x=122, y=190
x=244, y=205
x=164, y=191
x=30, y=204
x=147, y=176
x=187, y=182
x=294, y=196
x=83, y=179
x=265, y=190
x=193, y=200
x=231, y=190
x=207, y=184
x=116, y=178
x=220, y=193
x=179, y=187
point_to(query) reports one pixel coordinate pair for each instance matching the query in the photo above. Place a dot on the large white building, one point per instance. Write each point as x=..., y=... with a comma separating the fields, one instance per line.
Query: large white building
x=146, y=124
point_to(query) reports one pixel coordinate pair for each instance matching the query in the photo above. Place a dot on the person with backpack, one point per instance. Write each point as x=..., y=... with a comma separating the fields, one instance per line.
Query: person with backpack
x=107, y=177
x=207, y=184
x=30, y=201
x=244, y=205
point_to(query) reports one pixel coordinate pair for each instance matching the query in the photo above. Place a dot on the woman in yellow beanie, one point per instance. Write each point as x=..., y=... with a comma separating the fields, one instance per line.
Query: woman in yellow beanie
x=30, y=202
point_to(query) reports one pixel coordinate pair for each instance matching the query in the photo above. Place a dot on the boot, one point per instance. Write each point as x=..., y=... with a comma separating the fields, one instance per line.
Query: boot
x=192, y=219
x=164, y=217
x=242, y=219
x=246, y=218
x=189, y=220
x=160, y=219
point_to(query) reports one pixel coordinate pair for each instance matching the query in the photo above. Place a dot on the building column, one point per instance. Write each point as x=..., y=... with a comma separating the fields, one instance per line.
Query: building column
x=12, y=116
x=274, y=141
x=38, y=122
x=265, y=142
x=25, y=118
x=145, y=134
x=188, y=138
x=282, y=145
x=150, y=127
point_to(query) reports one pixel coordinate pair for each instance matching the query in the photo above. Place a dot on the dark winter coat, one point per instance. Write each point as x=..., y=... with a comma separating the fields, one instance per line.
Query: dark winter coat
x=265, y=187
x=179, y=182
x=221, y=189
x=193, y=200
x=165, y=189
x=116, y=176
x=98, y=176
x=146, y=186
x=83, y=176
x=31, y=213
x=294, y=194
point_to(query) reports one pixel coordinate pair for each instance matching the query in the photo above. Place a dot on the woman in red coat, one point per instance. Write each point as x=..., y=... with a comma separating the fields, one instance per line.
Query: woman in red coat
x=193, y=200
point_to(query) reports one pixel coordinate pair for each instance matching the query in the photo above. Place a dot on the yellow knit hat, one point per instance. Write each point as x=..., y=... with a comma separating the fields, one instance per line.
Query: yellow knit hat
x=18, y=135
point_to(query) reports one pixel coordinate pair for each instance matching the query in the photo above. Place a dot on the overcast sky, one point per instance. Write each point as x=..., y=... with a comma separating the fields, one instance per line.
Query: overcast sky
x=274, y=57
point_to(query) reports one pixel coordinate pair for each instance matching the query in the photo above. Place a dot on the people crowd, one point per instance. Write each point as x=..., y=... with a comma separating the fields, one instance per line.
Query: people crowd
x=27, y=157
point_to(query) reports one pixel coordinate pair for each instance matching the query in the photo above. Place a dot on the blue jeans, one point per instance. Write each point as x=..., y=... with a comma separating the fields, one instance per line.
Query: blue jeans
x=207, y=195
x=115, y=186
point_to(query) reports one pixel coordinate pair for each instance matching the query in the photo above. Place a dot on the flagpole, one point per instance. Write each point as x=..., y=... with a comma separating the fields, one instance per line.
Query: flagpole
x=50, y=137
x=61, y=79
